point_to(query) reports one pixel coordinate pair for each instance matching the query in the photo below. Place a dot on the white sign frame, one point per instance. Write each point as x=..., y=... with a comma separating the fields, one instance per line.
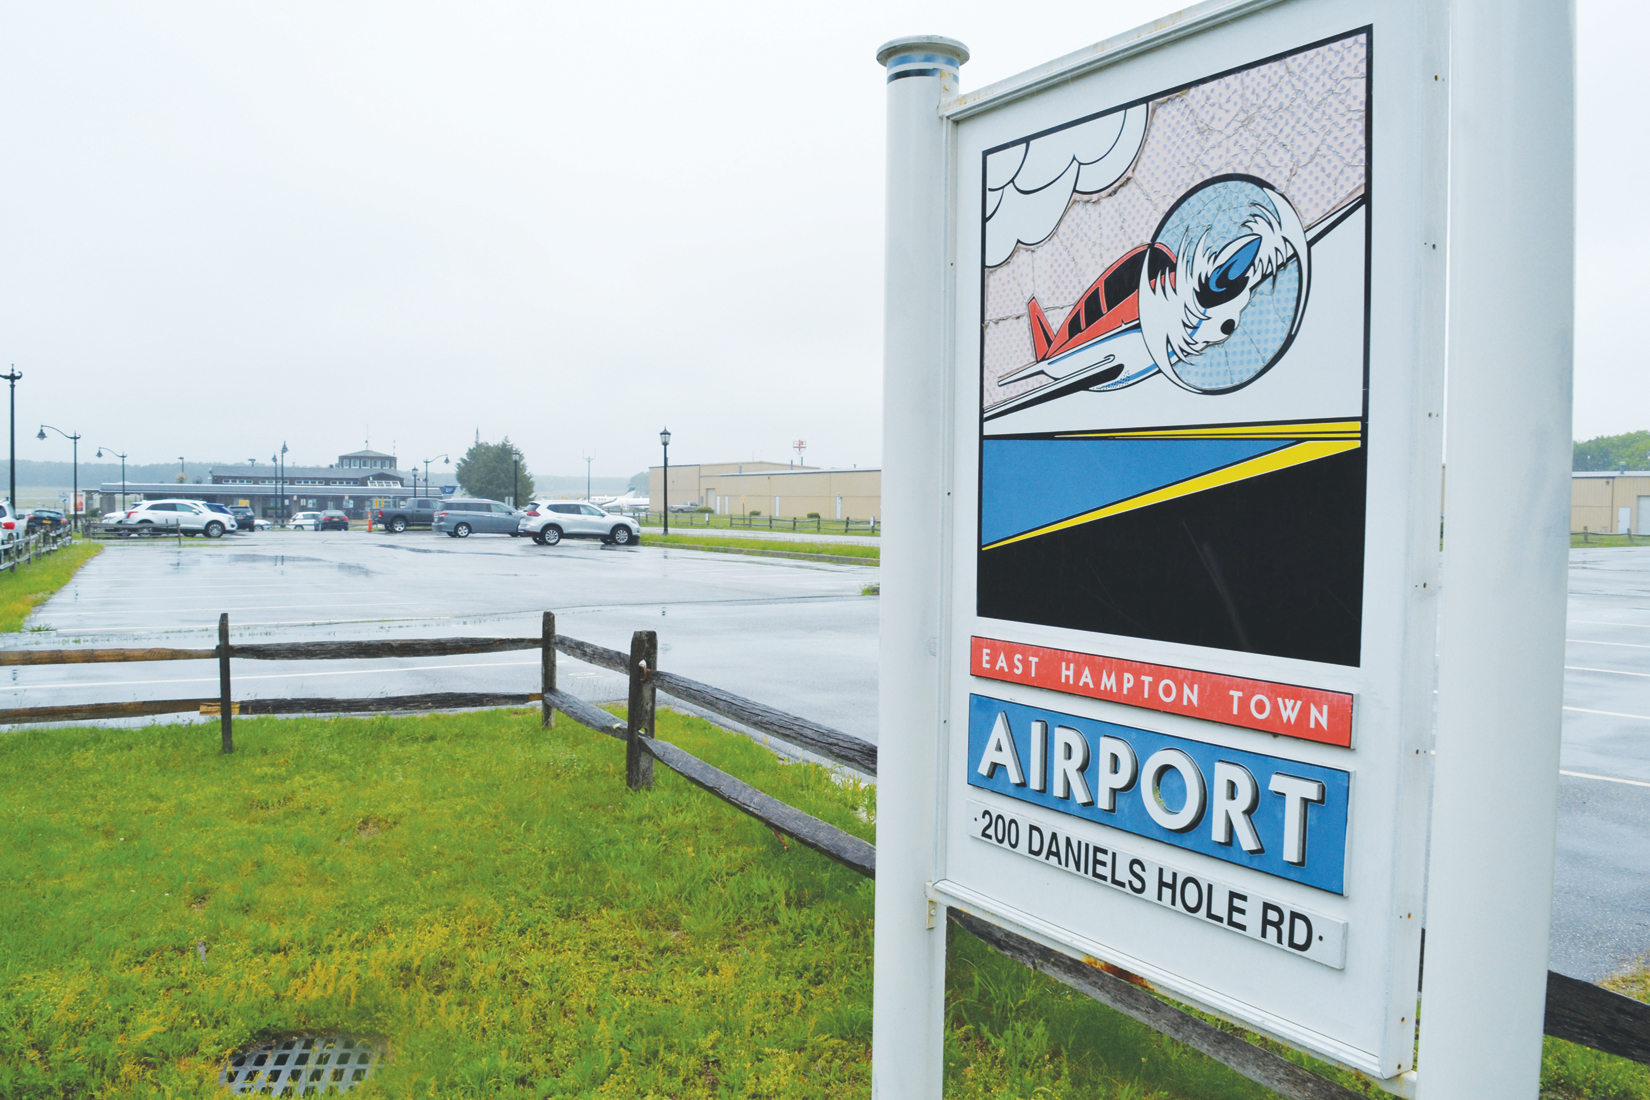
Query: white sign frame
x=1360, y=1015
x=1500, y=619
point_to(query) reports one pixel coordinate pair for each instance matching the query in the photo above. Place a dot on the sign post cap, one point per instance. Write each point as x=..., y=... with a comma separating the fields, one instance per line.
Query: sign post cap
x=924, y=43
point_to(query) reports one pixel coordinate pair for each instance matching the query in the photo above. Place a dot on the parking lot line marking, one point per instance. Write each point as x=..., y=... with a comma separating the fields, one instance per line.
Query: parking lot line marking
x=1624, y=645
x=1605, y=778
x=1612, y=671
x=1610, y=713
x=1601, y=622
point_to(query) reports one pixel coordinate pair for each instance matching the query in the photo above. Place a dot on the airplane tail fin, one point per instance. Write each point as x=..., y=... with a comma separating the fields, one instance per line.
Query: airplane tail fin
x=1042, y=336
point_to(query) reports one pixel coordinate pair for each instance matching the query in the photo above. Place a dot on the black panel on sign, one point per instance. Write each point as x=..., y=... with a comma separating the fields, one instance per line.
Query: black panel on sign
x=1271, y=564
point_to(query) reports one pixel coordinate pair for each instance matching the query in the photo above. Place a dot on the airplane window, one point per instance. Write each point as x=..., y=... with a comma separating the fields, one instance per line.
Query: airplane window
x=1125, y=280
x=1092, y=308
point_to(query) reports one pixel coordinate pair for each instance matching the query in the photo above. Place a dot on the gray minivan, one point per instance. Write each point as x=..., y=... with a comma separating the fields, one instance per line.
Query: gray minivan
x=460, y=519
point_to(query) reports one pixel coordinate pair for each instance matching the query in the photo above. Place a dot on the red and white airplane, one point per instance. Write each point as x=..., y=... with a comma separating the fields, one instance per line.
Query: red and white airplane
x=1088, y=350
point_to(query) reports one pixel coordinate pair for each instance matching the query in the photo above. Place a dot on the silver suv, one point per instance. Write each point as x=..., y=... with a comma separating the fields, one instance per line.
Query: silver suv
x=563, y=519
x=190, y=517
x=462, y=518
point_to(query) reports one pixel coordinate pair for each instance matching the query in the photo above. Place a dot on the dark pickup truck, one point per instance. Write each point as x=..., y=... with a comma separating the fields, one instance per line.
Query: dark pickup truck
x=417, y=512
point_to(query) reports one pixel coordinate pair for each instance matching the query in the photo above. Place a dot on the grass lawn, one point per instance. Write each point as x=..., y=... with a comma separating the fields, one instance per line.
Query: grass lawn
x=489, y=898
x=1596, y=539
x=871, y=554
x=28, y=586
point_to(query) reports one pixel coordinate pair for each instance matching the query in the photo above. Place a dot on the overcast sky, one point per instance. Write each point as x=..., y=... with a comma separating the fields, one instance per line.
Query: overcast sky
x=224, y=225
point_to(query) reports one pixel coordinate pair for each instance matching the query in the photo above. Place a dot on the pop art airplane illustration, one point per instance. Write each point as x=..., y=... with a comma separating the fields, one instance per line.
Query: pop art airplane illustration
x=1086, y=350
x=1170, y=306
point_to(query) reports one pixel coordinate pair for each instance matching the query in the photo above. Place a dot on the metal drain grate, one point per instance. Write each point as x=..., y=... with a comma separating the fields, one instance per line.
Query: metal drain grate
x=308, y=1065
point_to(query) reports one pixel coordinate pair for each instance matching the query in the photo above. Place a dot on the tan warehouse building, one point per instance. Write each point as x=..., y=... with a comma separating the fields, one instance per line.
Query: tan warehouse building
x=1610, y=501
x=687, y=483
x=771, y=489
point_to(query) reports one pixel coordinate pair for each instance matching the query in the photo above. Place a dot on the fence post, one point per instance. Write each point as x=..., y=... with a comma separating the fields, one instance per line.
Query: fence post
x=547, y=660
x=644, y=658
x=227, y=719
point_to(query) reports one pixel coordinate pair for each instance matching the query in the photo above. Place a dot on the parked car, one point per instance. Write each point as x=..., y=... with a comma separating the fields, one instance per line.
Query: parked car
x=8, y=522
x=417, y=512
x=45, y=519
x=462, y=518
x=231, y=521
x=245, y=519
x=333, y=520
x=190, y=517
x=261, y=525
x=561, y=519
x=306, y=521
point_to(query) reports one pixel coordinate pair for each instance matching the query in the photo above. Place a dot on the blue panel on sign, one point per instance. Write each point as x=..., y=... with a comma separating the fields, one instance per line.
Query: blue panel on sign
x=1027, y=483
x=1284, y=817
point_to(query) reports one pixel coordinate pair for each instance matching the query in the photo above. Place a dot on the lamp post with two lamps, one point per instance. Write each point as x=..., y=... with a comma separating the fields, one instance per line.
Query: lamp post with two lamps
x=664, y=441
x=122, y=458
x=74, y=501
x=444, y=461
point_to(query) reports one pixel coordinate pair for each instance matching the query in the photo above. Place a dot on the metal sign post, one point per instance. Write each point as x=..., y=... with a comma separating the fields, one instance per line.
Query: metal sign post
x=1163, y=441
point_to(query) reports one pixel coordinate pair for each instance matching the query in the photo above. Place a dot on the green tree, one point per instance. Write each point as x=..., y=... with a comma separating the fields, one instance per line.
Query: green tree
x=495, y=470
x=1609, y=452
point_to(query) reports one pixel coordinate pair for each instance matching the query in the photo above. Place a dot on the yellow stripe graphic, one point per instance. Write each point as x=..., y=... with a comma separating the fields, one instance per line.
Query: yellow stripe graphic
x=1281, y=459
x=1330, y=429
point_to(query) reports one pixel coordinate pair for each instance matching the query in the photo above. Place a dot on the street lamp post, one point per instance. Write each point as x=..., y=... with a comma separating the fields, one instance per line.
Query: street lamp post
x=587, y=461
x=444, y=461
x=122, y=458
x=74, y=500
x=279, y=462
x=664, y=441
x=12, y=465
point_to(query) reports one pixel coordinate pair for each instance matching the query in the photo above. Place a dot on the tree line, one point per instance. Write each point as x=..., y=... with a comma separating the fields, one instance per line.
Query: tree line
x=1612, y=452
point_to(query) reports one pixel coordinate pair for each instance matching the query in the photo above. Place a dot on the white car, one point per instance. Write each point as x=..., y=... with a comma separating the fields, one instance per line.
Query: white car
x=190, y=517
x=9, y=528
x=567, y=519
x=306, y=521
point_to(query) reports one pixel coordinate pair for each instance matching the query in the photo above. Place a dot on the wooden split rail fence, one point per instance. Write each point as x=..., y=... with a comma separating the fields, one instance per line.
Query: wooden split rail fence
x=1576, y=1011
x=769, y=523
x=27, y=548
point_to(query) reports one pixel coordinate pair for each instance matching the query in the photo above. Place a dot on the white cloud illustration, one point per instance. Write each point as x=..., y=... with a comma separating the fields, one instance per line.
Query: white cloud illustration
x=1029, y=185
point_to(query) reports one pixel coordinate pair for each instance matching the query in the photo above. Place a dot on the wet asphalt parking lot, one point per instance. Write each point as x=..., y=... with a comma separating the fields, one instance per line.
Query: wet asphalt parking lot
x=796, y=635
x=1601, y=892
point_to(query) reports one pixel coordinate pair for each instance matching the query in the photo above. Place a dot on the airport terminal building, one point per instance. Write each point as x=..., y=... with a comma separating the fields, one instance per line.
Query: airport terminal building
x=351, y=485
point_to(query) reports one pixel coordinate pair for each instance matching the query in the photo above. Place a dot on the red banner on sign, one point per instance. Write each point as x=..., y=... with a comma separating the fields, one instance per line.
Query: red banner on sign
x=1286, y=709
